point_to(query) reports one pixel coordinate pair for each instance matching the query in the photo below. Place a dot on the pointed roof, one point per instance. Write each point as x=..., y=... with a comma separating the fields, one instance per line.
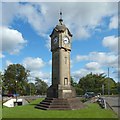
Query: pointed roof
x=60, y=27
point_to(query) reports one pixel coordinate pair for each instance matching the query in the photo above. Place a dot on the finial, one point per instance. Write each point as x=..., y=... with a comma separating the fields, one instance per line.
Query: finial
x=60, y=20
x=60, y=14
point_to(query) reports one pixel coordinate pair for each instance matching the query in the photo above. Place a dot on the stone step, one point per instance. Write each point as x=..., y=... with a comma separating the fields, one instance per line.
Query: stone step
x=57, y=106
x=59, y=101
x=55, y=103
x=55, y=99
x=43, y=105
x=49, y=98
x=47, y=101
x=60, y=104
x=52, y=106
x=40, y=107
x=59, y=109
x=43, y=102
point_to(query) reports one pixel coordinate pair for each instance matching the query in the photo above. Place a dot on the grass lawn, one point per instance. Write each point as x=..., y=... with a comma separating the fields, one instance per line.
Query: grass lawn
x=28, y=111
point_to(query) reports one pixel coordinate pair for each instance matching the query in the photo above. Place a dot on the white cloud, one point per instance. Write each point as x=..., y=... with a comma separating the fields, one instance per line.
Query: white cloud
x=12, y=40
x=36, y=65
x=81, y=33
x=61, y=1
x=40, y=74
x=104, y=59
x=37, y=15
x=113, y=22
x=71, y=63
x=111, y=42
x=79, y=73
x=1, y=55
x=98, y=62
x=8, y=62
x=48, y=42
x=93, y=66
x=81, y=57
x=50, y=62
x=9, y=11
x=81, y=18
x=84, y=71
x=33, y=64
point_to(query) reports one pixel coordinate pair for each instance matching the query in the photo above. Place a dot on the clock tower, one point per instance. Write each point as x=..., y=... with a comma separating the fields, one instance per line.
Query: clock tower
x=61, y=48
x=60, y=95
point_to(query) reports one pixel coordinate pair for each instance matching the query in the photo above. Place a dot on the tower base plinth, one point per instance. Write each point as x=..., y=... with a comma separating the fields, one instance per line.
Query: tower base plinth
x=60, y=91
x=60, y=104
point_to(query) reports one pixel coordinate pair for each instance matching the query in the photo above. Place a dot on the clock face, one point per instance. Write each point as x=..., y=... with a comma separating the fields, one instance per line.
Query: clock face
x=66, y=40
x=55, y=40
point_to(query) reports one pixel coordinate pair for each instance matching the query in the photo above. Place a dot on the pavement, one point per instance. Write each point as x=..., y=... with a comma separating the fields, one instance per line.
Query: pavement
x=114, y=103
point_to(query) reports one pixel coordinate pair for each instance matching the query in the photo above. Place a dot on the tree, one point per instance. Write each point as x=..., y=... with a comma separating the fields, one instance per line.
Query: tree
x=41, y=86
x=118, y=87
x=15, y=79
x=1, y=80
x=78, y=90
x=94, y=82
x=112, y=86
x=31, y=89
x=73, y=83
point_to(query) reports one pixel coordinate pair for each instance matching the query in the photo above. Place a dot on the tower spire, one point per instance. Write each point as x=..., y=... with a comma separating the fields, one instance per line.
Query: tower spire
x=60, y=14
x=60, y=20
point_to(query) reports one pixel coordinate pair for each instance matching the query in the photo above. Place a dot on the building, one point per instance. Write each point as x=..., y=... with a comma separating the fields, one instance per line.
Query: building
x=61, y=95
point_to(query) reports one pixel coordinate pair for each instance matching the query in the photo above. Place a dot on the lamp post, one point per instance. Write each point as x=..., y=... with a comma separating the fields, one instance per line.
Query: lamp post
x=15, y=103
x=30, y=84
x=102, y=89
x=16, y=91
x=109, y=80
x=108, y=83
x=17, y=73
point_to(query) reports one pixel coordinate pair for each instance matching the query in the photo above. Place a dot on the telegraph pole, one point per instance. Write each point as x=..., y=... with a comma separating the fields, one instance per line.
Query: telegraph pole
x=108, y=82
x=102, y=89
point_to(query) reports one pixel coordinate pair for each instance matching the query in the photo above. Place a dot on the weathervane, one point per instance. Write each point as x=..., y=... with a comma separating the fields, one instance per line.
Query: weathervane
x=60, y=20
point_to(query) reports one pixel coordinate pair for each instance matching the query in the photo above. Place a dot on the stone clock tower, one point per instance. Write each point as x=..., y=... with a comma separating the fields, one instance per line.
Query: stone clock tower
x=60, y=48
x=60, y=95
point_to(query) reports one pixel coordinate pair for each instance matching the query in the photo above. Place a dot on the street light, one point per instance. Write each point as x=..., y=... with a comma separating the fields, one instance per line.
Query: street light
x=108, y=83
x=30, y=78
x=109, y=80
x=17, y=74
x=15, y=103
x=16, y=91
x=102, y=89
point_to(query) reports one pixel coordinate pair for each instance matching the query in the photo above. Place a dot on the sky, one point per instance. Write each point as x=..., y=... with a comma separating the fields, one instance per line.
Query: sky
x=26, y=27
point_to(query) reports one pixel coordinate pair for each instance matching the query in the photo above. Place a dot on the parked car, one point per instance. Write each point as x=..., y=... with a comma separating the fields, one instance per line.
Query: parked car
x=15, y=95
x=10, y=95
x=89, y=94
x=4, y=95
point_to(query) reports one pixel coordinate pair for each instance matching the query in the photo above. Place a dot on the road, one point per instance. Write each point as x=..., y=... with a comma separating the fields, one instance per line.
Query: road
x=114, y=102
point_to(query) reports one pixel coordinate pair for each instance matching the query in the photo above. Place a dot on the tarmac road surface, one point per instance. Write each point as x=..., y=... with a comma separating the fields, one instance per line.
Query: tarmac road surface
x=114, y=102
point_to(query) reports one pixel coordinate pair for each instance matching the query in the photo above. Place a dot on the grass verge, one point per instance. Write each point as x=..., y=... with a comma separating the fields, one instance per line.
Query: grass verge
x=28, y=111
